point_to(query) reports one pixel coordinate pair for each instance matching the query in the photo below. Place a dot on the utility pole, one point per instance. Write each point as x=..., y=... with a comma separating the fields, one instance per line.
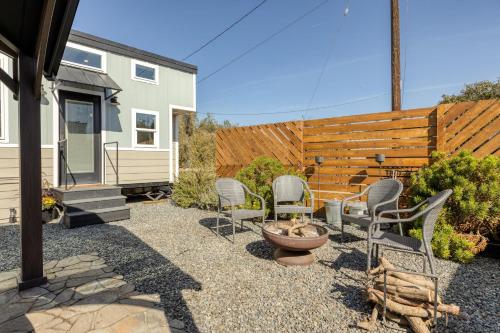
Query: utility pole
x=395, y=55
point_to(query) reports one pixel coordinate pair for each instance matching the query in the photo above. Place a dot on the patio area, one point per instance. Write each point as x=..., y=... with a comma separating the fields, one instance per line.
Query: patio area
x=201, y=283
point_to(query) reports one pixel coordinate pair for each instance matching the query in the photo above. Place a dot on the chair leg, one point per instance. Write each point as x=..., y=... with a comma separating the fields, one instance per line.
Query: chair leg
x=341, y=231
x=303, y=217
x=241, y=225
x=275, y=216
x=234, y=228
x=263, y=220
x=400, y=229
x=312, y=217
x=430, y=257
x=369, y=256
x=217, y=226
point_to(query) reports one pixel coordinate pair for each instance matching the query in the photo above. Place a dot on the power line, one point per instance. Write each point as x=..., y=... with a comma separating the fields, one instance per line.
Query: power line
x=298, y=110
x=264, y=41
x=225, y=30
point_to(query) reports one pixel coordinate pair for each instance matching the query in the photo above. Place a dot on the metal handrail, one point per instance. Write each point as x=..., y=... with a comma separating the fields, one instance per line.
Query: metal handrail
x=115, y=169
x=63, y=152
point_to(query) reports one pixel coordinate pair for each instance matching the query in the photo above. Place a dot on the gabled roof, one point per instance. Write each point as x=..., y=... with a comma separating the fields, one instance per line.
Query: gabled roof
x=129, y=51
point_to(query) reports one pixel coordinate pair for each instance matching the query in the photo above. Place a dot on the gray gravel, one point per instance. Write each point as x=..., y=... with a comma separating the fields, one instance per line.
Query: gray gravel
x=214, y=286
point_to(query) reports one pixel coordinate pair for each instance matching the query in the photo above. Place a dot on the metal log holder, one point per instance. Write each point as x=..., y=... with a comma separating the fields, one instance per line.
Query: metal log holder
x=433, y=277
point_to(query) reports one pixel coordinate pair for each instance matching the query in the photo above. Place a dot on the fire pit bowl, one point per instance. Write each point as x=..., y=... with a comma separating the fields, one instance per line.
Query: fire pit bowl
x=292, y=251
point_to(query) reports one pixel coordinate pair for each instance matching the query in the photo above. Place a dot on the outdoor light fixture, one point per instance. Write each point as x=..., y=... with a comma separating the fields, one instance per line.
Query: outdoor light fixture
x=114, y=101
x=319, y=160
x=12, y=215
x=380, y=158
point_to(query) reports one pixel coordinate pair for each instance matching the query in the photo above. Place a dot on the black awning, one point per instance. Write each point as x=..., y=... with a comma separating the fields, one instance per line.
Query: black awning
x=90, y=78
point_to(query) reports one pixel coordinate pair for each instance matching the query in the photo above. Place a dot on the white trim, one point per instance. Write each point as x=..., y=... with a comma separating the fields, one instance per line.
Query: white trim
x=16, y=145
x=194, y=92
x=90, y=50
x=4, y=104
x=174, y=167
x=55, y=130
x=156, y=68
x=156, y=131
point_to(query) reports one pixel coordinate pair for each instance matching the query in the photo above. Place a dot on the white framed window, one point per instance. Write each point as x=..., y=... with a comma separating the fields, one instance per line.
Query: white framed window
x=144, y=72
x=84, y=57
x=4, y=118
x=145, y=128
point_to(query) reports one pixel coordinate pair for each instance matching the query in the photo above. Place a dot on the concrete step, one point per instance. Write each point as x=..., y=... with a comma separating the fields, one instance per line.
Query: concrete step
x=96, y=216
x=79, y=205
x=80, y=193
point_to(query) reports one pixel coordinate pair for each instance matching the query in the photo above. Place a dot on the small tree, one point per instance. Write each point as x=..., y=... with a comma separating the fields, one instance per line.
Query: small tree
x=475, y=92
x=195, y=185
x=258, y=176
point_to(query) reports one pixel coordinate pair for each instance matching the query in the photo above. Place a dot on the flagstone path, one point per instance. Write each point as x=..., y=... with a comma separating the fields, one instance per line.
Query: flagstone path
x=83, y=294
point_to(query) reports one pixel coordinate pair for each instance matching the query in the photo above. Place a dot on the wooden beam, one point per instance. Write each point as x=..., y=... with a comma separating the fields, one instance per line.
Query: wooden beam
x=41, y=44
x=30, y=176
x=7, y=47
x=395, y=55
x=8, y=81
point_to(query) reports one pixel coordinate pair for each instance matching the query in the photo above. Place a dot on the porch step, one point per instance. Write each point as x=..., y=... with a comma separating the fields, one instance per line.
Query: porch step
x=91, y=205
x=71, y=206
x=78, y=193
x=96, y=216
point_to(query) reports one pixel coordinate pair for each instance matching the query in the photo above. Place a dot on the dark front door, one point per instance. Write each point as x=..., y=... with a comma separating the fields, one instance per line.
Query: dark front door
x=80, y=135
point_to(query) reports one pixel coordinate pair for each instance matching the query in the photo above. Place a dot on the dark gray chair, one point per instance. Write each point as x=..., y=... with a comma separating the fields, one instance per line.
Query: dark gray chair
x=291, y=189
x=382, y=195
x=232, y=194
x=429, y=215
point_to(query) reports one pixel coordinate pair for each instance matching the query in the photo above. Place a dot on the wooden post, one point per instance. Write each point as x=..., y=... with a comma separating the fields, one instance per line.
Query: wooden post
x=395, y=55
x=440, y=127
x=30, y=176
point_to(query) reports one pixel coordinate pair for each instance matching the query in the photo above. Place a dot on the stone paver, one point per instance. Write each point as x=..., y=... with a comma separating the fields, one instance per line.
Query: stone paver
x=82, y=295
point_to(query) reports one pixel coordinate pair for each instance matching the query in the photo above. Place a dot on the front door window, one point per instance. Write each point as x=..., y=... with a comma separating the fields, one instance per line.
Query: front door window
x=80, y=138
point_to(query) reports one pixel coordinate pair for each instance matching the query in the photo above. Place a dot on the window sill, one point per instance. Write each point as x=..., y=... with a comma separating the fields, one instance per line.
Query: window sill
x=138, y=79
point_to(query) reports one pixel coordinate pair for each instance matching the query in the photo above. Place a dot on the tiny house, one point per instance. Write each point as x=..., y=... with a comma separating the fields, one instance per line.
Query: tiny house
x=109, y=119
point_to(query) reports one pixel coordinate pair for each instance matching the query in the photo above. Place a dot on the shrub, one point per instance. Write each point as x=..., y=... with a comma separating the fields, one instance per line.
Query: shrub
x=475, y=92
x=474, y=206
x=259, y=176
x=195, y=188
x=447, y=244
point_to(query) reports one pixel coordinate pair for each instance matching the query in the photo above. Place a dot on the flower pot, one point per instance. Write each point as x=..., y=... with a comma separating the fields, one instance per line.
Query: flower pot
x=46, y=216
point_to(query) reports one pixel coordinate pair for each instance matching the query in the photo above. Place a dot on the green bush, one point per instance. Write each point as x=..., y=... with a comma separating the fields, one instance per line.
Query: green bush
x=447, y=244
x=258, y=177
x=475, y=92
x=474, y=206
x=195, y=188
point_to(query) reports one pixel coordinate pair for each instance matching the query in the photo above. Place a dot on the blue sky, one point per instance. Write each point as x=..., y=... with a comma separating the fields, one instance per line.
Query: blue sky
x=444, y=44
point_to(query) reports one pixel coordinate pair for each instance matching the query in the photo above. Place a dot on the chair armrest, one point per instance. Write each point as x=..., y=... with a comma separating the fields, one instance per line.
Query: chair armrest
x=406, y=210
x=409, y=219
x=262, y=202
x=345, y=200
x=311, y=194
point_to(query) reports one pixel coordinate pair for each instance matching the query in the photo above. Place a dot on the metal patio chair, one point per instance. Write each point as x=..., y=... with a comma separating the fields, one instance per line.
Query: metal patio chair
x=232, y=194
x=382, y=195
x=409, y=244
x=291, y=189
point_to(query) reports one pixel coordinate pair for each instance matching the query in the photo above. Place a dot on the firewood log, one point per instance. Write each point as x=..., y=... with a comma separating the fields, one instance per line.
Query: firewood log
x=396, y=318
x=417, y=324
x=377, y=296
x=415, y=279
x=411, y=293
x=394, y=281
x=370, y=324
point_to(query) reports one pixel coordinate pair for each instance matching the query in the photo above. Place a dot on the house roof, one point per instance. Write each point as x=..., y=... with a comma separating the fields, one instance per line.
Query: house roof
x=129, y=51
x=20, y=26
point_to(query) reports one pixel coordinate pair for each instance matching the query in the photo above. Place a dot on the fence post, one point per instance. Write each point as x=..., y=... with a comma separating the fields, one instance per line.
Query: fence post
x=440, y=127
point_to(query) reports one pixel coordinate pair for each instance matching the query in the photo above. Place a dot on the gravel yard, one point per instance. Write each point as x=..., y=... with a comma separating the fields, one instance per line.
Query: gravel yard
x=214, y=286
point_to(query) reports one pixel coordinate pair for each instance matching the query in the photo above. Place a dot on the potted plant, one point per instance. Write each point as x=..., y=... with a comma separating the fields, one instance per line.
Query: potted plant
x=48, y=204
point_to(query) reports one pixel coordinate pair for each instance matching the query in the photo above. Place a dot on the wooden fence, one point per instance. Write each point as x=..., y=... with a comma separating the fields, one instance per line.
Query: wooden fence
x=349, y=144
